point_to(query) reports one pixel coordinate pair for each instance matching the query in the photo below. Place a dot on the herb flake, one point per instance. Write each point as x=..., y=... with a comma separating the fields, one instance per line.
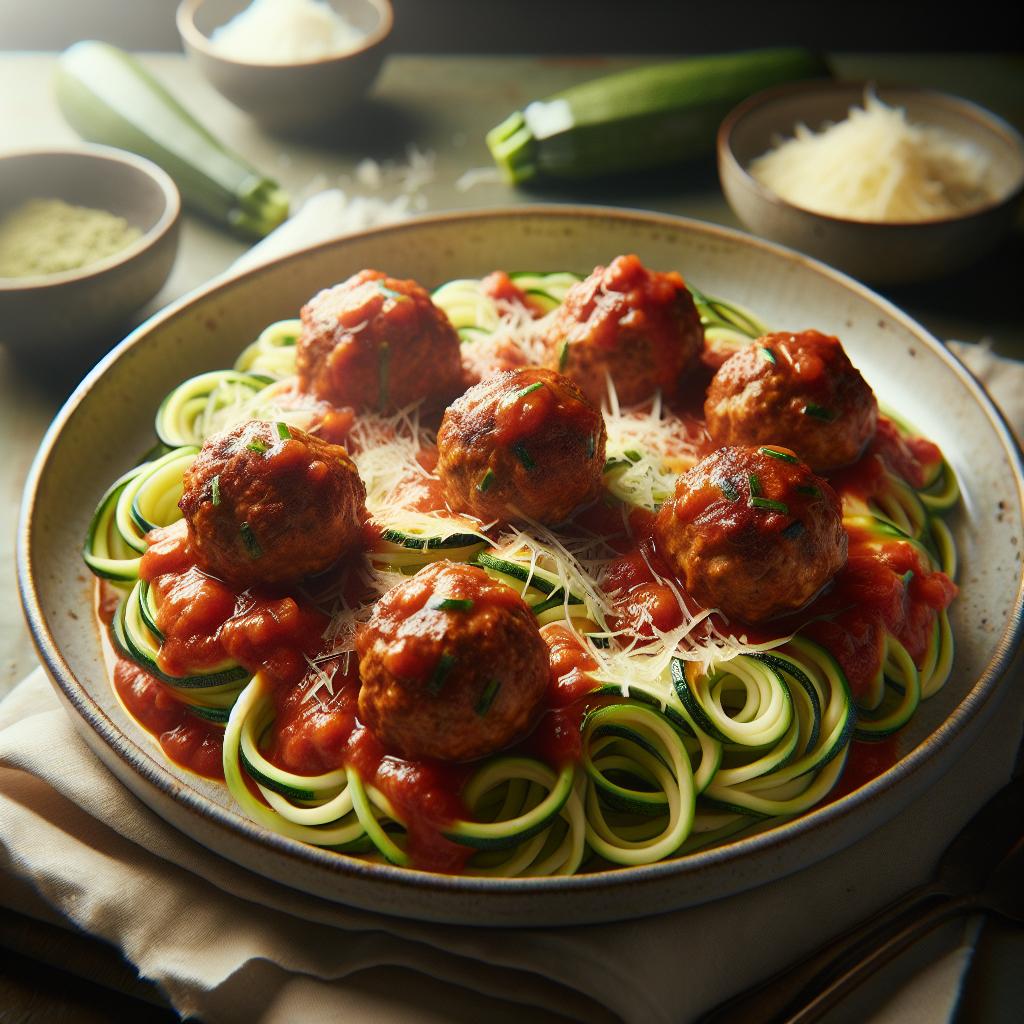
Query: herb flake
x=818, y=412
x=520, y=452
x=436, y=681
x=727, y=488
x=563, y=355
x=483, y=705
x=252, y=545
x=776, y=454
x=453, y=604
x=769, y=505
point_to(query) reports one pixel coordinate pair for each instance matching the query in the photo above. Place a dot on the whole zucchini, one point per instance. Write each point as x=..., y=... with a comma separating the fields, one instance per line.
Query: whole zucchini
x=108, y=97
x=644, y=117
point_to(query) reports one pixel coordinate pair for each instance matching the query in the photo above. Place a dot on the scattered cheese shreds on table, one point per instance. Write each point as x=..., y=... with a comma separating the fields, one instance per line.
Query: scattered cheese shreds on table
x=330, y=212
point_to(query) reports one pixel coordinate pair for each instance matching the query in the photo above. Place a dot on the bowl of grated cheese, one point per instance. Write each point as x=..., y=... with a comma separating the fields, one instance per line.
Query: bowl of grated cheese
x=892, y=185
x=295, y=66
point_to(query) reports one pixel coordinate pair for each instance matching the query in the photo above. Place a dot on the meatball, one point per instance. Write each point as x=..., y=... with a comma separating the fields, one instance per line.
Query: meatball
x=268, y=503
x=373, y=342
x=638, y=326
x=451, y=664
x=521, y=443
x=800, y=390
x=752, y=532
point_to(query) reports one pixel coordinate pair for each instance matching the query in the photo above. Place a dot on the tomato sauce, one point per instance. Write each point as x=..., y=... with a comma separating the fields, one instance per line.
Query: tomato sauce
x=885, y=587
x=499, y=286
x=189, y=741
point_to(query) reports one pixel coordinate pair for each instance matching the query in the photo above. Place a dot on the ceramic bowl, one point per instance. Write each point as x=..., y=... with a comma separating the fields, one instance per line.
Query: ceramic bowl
x=109, y=421
x=289, y=98
x=59, y=315
x=878, y=253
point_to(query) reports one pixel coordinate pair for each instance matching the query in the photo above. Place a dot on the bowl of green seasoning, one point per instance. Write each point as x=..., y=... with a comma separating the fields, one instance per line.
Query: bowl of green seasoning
x=88, y=235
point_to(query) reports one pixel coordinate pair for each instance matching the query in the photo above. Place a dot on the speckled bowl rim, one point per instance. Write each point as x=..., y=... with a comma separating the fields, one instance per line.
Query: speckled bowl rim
x=968, y=109
x=185, y=18
x=411, y=880
x=146, y=241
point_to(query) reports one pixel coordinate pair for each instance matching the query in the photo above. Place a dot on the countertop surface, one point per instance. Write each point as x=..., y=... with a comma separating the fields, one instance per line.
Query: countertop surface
x=424, y=128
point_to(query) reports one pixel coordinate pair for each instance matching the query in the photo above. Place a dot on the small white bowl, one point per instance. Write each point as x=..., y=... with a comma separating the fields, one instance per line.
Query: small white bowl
x=879, y=253
x=289, y=98
x=65, y=316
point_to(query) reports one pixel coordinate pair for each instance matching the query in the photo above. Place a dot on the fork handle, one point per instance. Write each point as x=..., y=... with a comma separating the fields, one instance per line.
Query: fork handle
x=824, y=998
x=774, y=998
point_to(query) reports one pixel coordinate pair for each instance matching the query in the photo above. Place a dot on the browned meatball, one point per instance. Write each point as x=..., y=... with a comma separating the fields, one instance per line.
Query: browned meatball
x=752, y=532
x=451, y=665
x=799, y=390
x=639, y=326
x=374, y=342
x=521, y=443
x=268, y=503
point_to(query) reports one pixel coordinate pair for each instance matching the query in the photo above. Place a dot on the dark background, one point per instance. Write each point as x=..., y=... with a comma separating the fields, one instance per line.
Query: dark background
x=571, y=26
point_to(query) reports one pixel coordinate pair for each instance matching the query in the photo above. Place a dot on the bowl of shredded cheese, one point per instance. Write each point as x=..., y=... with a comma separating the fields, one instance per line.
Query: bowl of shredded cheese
x=893, y=185
x=88, y=235
x=294, y=66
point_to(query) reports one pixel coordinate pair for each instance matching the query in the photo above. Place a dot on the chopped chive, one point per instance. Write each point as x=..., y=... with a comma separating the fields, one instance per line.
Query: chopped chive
x=283, y=432
x=485, y=481
x=252, y=545
x=794, y=530
x=755, y=485
x=529, y=389
x=814, y=492
x=770, y=504
x=819, y=412
x=383, y=368
x=453, y=604
x=215, y=490
x=563, y=355
x=519, y=449
x=776, y=454
x=257, y=446
x=483, y=705
x=633, y=455
x=591, y=446
x=907, y=577
x=444, y=665
x=767, y=355
x=726, y=487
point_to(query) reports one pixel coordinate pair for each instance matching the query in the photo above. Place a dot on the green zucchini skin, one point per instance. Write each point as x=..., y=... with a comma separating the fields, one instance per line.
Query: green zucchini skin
x=644, y=117
x=108, y=97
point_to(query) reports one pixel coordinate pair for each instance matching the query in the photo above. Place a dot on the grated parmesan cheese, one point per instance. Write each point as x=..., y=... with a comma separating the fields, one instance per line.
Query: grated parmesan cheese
x=877, y=166
x=286, y=32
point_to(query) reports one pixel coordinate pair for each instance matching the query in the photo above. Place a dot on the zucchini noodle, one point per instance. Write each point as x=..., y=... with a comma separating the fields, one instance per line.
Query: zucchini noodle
x=687, y=736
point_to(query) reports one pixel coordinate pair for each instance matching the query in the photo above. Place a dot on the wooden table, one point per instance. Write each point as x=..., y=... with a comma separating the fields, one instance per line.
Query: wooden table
x=441, y=106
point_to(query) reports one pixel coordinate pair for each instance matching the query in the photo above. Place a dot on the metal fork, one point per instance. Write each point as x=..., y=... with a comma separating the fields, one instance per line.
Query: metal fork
x=982, y=870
